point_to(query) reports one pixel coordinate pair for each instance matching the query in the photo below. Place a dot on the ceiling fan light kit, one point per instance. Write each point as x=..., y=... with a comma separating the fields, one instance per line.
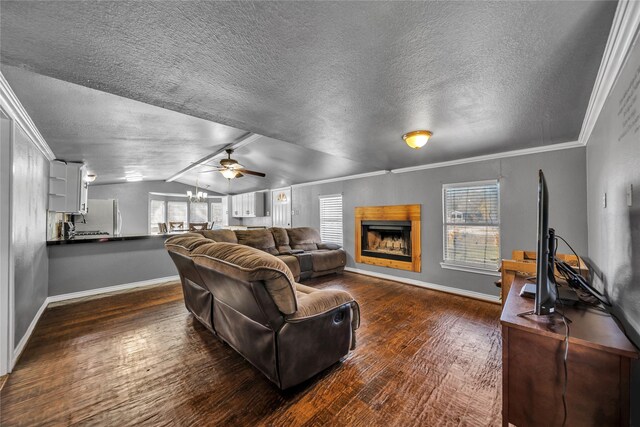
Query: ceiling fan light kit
x=417, y=138
x=230, y=168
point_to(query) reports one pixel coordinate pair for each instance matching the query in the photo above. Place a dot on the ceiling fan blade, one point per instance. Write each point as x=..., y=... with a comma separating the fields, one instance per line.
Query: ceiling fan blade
x=248, y=172
x=239, y=175
x=211, y=170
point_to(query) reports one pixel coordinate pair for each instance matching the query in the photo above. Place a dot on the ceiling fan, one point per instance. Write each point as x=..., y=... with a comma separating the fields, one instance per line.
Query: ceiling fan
x=230, y=168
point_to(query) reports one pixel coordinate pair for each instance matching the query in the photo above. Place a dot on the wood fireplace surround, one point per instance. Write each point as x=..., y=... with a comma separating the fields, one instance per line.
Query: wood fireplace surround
x=389, y=236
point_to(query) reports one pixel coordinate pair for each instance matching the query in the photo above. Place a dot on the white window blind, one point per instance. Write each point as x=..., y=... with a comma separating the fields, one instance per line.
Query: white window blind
x=177, y=212
x=331, y=218
x=472, y=224
x=198, y=212
x=156, y=215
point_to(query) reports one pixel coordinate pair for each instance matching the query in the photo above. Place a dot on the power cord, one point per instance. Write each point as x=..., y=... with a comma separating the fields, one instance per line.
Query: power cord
x=566, y=356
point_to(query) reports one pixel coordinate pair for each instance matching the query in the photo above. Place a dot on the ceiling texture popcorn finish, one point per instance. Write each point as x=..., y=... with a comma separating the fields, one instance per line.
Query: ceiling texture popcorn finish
x=341, y=80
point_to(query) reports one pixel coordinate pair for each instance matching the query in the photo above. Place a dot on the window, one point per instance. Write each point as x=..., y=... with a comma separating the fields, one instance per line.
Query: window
x=177, y=212
x=331, y=218
x=198, y=212
x=156, y=215
x=471, y=221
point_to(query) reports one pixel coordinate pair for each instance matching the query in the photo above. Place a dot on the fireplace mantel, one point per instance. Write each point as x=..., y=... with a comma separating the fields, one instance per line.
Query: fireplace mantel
x=405, y=213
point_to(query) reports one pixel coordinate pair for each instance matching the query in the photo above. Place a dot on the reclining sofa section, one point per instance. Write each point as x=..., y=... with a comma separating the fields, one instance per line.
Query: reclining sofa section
x=250, y=300
x=300, y=248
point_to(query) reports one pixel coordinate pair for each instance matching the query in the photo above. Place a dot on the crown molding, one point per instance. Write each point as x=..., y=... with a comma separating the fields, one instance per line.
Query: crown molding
x=513, y=153
x=626, y=23
x=14, y=109
x=342, y=178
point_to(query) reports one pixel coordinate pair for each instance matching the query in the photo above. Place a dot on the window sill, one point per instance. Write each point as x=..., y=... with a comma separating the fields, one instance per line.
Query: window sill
x=469, y=269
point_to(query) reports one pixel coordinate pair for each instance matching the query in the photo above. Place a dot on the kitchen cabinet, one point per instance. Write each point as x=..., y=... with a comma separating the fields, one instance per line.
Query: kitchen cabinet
x=57, y=186
x=247, y=205
x=68, y=189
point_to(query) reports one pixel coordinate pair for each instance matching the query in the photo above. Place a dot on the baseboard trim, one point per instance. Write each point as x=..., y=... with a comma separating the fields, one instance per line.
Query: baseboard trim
x=17, y=351
x=123, y=287
x=75, y=295
x=448, y=289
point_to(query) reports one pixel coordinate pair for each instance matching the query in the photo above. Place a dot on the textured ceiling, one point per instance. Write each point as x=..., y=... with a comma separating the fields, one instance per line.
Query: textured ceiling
x=111, y=134
x=346, y=79
x=284, y=163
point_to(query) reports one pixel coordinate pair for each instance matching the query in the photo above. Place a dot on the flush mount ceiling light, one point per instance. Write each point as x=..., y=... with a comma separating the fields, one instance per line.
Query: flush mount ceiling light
x=90, y=177
x=417, y=138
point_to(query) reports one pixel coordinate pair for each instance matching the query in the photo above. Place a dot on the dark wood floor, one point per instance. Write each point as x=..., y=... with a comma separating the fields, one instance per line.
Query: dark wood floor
x=423, y=358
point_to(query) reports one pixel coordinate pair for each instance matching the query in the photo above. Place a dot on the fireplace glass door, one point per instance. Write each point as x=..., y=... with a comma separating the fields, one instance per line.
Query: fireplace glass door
x=387, y=239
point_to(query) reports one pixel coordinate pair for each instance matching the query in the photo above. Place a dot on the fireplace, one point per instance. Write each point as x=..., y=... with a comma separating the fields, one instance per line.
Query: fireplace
x=386, y=239
x=389, y=236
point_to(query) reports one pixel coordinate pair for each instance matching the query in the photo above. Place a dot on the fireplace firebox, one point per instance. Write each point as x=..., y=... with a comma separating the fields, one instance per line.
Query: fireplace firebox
x=386, y=239
x=389, y=236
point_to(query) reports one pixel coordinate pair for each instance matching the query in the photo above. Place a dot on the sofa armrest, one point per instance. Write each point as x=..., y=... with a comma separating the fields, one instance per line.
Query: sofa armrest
x=330, y=246
x=324, y=301
x=292, y=252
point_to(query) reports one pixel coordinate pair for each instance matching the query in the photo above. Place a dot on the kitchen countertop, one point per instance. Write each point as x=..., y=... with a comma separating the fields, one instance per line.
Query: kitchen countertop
x=103, y=238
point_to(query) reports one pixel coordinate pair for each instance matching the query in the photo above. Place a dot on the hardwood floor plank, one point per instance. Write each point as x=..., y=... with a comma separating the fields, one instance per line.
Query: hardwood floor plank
x=139, y=358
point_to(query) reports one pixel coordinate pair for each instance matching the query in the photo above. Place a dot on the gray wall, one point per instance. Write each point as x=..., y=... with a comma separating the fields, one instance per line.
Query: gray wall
x=85, y=266
x=565, y=173
x=613, y=163
x=30, y=190
x=133, y=200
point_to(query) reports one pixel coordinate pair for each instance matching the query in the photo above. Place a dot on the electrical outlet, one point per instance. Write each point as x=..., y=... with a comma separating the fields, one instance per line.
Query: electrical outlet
x=604, y=201
x=630, y=195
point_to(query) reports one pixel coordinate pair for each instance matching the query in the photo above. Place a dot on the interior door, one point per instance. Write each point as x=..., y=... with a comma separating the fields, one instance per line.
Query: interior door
x=281, y=207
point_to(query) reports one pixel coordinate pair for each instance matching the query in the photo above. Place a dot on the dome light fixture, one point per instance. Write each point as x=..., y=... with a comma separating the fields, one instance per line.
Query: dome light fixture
x=417, y=138
x=229, y=173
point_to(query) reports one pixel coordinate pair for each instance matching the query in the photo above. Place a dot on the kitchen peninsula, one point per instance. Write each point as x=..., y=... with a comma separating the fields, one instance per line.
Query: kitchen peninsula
x=83, y=264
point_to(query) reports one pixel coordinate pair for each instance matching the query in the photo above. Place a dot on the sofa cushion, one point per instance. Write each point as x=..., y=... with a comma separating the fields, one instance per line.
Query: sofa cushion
x=292, y=263
x=227, y=236
x=324, y=260
x=259, y=239
x=251, y=265
x=329, y=246
x=281, y=238
x=185, y=243
x=305, y=238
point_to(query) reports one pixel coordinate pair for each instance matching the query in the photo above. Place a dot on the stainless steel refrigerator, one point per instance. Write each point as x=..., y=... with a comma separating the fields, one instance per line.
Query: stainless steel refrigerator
x=102, y=216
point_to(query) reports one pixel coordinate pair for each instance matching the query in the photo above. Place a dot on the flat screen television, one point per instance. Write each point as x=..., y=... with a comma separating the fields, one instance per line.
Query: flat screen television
x=546, y=291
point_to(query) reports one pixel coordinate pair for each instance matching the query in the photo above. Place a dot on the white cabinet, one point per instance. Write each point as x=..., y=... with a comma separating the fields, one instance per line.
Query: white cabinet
x=247, y=205
x=68, y=189
x=57, y=186
x=236, y=206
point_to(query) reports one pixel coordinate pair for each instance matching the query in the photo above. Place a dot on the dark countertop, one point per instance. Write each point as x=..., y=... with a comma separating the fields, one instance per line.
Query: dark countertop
x=101, y=239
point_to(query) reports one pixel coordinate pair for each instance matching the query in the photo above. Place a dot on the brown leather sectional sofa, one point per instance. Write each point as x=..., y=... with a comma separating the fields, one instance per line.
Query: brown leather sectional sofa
x=300, y=248
x=249, y=298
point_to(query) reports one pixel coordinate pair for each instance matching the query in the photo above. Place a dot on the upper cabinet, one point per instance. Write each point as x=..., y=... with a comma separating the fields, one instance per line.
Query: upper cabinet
x=247, y=205
x=68, y=189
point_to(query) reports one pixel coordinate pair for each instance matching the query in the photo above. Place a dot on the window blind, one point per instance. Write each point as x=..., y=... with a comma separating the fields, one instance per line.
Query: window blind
x=156, y=215
x=471, y=221
x=176, y=212
x=331, y=218
x=198, y=212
